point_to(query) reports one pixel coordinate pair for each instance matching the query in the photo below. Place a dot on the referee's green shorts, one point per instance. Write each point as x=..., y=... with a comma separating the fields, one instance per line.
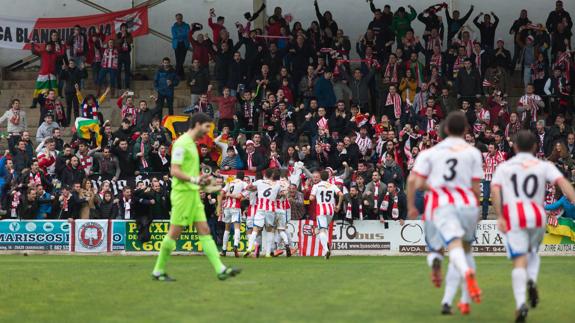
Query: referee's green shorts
x=187, y=208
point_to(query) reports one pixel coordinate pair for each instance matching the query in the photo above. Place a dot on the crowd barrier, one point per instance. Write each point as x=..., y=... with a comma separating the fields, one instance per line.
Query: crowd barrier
x=361, y=238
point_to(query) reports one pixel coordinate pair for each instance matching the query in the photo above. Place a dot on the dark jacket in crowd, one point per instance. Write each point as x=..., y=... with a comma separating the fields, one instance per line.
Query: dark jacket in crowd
x=72, y=76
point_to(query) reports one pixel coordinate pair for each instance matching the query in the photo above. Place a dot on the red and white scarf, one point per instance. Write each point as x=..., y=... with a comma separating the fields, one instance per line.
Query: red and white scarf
x=376, y=191
x=127, y=208
x=348, y=214
x=15, y=120
x=78, y=44
x=437, y=61
x=66, y=198
x=457, y=65
x=14, y=204
x=250, y=160
x=432, y=42
x=90, y=111
x=35, y=179
x=391, y=72
x=163, y=158
x=322, y=123
x=394, y=100
x=394, y=205
x=143, y=151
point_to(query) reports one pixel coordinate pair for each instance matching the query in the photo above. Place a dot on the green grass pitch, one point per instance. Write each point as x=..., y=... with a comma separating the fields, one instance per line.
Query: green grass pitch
x=43, y=288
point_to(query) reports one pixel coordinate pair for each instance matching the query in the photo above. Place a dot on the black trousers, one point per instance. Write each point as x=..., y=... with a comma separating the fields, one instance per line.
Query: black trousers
x=71, y=102
x=180, y=52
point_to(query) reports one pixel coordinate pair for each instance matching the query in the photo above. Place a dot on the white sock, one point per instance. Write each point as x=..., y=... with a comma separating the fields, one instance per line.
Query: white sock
x=225, y=240
x=432, y=256
x=323, y=240
x=269, y=242
x=259, y=240
x=533, y=264
x=284, y=237
x=251, y=240
x=470, y=260
x=277, y=240
x=237, y=236
x=519, y=282
x=452, y=280
x=457, y=256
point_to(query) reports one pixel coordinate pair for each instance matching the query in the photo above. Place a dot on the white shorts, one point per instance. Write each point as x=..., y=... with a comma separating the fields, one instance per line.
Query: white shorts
x=282, y=218
x=264, y=218
x=249, y=222
x=432, y=236
x=520, y=242
x=456, y=222
x=232, y=215
x=323, y=221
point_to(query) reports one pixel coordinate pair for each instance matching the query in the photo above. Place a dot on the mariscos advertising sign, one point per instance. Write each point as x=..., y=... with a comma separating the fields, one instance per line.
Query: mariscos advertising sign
x=34, y=235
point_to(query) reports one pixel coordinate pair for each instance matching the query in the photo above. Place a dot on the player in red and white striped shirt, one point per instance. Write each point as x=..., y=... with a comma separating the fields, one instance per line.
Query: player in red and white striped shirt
x=518, y=194
x=268, y=190
x=325, y=194
x=232, y=195
x=451, y=172
x=283, y=213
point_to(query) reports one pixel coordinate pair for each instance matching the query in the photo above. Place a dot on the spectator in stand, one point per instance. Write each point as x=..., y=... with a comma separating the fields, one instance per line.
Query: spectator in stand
x=95, y=50
x=45, y=201
x=202, y=48
x=72, y=173
x=141, y=152
x=402, y=22
x=216, y=27
x=47, y=156
x=20, y=157
x=253, y=160
x=124, y=43
x=124, y=154
x=160, y=159
x=165, y=81
x=109, y=167
x=454, y=24
x=16, y=122
x=72, y=75
x=127, y=107
x=107, y=207
x=226, y=108
x=50, y=103
x=28, y=205
x=557, y=16
x=468, y=82
x=78, y=44
x=126, y=205
x=161, y=207
x=109, y=67
x=324, y=92
x=394, y=205
x=198, y=81
x=180, y=43
x=487, y=30
x=46, y=128
x=373, y=195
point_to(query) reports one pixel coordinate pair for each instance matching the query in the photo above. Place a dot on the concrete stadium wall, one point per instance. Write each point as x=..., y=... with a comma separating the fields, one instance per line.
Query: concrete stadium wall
x=353, y=16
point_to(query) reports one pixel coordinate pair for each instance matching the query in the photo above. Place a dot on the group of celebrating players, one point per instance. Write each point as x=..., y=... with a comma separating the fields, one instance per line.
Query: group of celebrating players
x=270, y=210
x=449, y=173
